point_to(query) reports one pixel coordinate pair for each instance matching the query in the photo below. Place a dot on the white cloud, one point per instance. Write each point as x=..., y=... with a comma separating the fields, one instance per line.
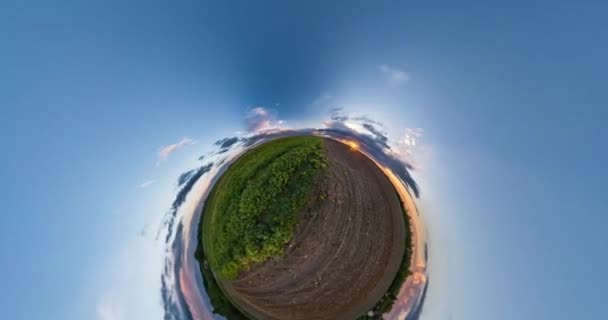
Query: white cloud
x=261, y=119
x=166, y=151
x=146, y=184
x=408, y=147
x=109, y=311
x=395, y=76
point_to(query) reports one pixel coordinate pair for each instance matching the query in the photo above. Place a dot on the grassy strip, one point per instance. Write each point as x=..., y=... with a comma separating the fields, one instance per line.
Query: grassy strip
x=251, y=213
x=385, y=303
x=221, y=304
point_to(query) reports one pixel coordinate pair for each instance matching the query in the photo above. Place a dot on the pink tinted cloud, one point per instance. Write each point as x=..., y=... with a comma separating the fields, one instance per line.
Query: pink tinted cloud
x=166, y=151
x=260, y=119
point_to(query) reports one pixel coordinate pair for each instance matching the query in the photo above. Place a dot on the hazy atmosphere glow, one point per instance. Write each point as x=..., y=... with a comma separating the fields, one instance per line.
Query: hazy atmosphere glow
x=117, y=116
x=182, y=290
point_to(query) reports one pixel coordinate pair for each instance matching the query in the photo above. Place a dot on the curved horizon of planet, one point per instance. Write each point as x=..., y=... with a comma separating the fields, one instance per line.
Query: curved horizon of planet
x=182, y=291
x=339, y=174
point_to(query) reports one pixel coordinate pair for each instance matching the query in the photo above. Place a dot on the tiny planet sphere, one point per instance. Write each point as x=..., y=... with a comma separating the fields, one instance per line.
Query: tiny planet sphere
x=303, y=227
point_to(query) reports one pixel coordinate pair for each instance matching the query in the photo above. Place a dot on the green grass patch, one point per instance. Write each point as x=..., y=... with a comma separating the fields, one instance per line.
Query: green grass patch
x=251, y=213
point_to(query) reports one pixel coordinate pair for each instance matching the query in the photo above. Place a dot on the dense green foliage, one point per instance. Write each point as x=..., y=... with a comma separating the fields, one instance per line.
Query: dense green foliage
x=251, y=213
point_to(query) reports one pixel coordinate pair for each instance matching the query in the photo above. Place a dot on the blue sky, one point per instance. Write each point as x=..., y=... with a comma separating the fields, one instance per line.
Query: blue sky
x=511, y=97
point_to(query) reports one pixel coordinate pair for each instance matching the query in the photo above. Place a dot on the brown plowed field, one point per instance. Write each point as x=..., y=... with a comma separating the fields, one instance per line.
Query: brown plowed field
x=345, y=253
